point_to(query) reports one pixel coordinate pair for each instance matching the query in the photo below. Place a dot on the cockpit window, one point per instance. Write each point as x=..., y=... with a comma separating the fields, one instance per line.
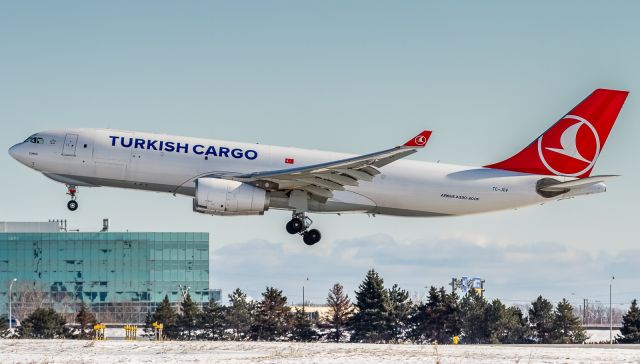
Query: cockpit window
x=35, y=140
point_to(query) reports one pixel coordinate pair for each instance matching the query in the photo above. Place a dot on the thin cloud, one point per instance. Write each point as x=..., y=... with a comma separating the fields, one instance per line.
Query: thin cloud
x=511, y=271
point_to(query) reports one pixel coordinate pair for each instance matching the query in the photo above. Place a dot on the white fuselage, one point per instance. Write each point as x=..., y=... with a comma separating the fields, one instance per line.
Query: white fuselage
x=101, y=157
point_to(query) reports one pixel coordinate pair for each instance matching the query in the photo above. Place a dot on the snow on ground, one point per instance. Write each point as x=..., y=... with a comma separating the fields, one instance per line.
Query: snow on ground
x=116, y=351
x=595, y=336
x=600, y=336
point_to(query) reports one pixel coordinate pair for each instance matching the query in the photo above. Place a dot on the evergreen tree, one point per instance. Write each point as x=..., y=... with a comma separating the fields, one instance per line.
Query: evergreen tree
x=496, y=321
x=147, y=328
x=630, y=331
x=303, y=327
x=519, y=331
x=188, y=319
x=85, y=321
x=239, y=315
x=399, y=311
x=437, y=319
x=369, y=324
x=340, y=311
x=273, y=317
x=212, y=321
x=474, y=311
x=43, y=323
x=451, y=319
x=506, y=325
x=4, y=327
x=428, y=321
x=165, y=315
x=567, y=328
x=541, y=320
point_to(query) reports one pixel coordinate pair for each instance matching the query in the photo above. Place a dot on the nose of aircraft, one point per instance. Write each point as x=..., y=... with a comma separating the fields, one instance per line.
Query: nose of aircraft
x=17, y=153
x=13, y=151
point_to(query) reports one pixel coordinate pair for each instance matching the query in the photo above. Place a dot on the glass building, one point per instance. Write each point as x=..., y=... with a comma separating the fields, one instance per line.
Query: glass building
x=120, y=276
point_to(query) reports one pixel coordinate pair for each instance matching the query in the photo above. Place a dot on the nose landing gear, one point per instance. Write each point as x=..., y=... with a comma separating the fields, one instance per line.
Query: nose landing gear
x=299, y=224
x=72, y=191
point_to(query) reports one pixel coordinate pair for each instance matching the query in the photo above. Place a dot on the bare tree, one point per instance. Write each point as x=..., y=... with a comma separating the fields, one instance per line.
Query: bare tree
x=27, y=297
x=340, y=310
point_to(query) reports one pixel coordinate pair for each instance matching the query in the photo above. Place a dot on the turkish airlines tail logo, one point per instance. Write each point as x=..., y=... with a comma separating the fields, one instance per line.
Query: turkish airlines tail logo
x=569, y=143
x=572, y=145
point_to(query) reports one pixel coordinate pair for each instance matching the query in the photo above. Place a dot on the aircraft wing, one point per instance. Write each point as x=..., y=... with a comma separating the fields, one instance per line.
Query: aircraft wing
x=321, y=179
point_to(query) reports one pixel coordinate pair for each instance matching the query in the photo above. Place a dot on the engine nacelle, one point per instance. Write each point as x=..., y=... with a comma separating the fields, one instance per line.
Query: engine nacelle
x=230, y=198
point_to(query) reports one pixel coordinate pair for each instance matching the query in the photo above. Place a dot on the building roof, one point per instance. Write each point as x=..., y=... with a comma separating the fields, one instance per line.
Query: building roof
x=29, y=227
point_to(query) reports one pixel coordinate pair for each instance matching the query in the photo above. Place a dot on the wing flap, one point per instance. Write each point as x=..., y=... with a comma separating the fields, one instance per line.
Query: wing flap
x=370, y=170
x=319, y=191
x=339, y=178
x=357, y=174
x=320, y=182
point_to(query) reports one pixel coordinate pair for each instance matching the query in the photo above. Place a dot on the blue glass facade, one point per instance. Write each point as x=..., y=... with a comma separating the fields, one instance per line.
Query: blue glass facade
x=120, y=276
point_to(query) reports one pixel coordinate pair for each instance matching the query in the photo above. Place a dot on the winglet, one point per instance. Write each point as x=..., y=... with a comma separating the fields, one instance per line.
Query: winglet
x=419, y=141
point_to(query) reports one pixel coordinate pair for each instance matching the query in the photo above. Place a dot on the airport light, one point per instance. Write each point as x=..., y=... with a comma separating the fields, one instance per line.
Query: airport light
x=585, y=307
x=599, y=304
x=610, y=313
x=307, y=280
x=10, y=286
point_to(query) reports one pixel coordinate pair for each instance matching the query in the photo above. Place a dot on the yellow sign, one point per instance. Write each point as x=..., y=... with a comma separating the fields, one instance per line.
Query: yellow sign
x=99, y=330
x=158, y=330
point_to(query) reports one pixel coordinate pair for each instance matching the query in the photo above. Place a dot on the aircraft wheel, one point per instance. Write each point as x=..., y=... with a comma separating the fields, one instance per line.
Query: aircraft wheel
x=72, y=205
x=295, y=226
x=311, y=237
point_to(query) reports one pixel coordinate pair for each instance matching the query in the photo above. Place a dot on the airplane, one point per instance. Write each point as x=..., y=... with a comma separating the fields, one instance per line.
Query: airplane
x=231, y=178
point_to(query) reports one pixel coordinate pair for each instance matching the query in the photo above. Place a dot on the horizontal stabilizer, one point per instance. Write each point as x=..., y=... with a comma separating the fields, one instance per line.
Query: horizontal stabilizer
x=576, y=183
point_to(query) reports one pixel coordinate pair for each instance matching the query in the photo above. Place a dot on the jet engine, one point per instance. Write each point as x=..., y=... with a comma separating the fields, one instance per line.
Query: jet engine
x=229, y=198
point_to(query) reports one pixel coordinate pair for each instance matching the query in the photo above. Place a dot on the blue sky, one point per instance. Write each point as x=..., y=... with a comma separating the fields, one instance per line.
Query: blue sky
x=352, y=76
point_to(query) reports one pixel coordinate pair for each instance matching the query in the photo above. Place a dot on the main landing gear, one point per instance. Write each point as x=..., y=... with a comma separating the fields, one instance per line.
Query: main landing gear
x=300, y=224
x=72, y=191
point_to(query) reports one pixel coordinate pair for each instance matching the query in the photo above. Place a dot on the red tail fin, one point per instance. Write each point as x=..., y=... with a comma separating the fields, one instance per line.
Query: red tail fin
x=572, y=145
